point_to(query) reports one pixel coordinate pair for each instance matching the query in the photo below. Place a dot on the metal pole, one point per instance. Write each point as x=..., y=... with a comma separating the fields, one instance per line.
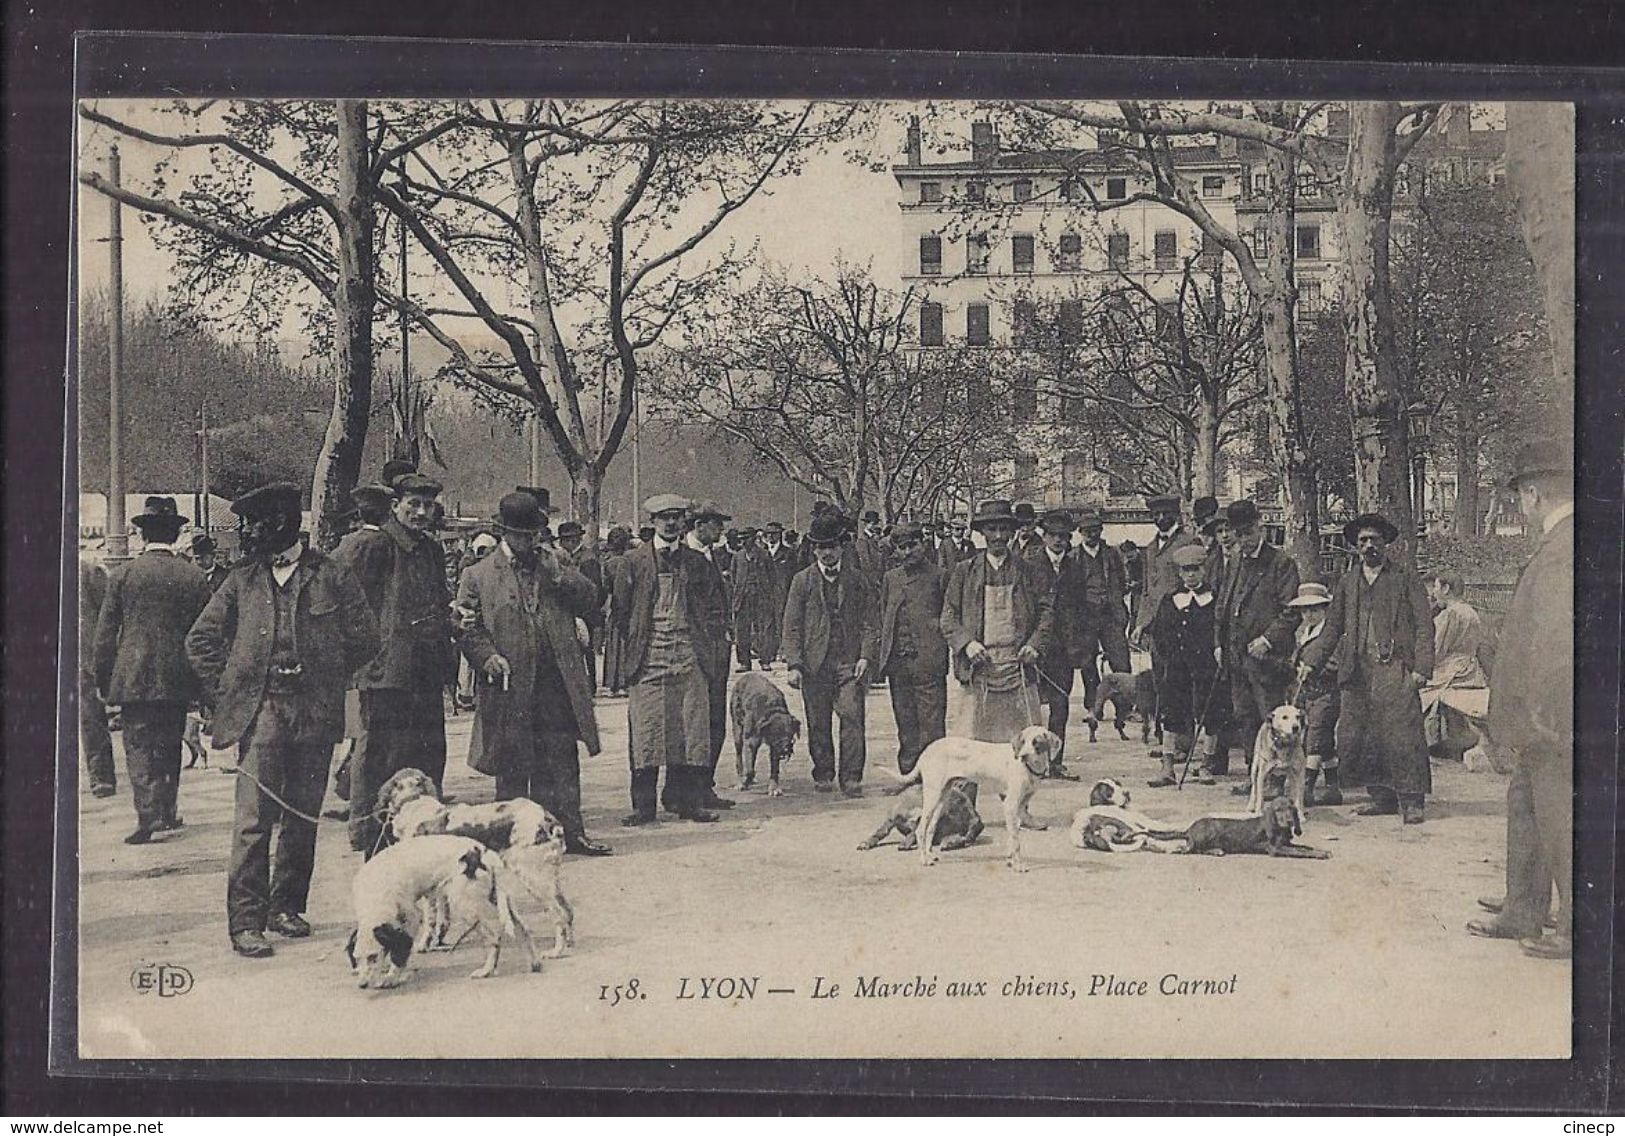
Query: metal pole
x=408, y=395
x=118, y=538
x=204, y=412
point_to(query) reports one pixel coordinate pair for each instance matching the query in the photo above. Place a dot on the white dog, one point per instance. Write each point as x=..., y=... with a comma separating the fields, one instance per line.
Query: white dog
x=529, y=839
x=1279, y=746
x=388, y=888
x=1107, y=824
x=1015, y=766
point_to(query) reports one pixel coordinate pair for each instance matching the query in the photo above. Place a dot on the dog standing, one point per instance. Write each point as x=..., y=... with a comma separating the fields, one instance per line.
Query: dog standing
x=389, y=889
x=961, y=824
x=1279, y=746
x=761, y=715
x=1016, y=767
x=1128, y=694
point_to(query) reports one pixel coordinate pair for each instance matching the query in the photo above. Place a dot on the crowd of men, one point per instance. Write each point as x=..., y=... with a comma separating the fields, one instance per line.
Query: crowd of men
x=293, y=650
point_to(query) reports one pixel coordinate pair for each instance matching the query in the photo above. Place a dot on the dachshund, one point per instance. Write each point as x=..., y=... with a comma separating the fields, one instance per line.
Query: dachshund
x=1268, y=834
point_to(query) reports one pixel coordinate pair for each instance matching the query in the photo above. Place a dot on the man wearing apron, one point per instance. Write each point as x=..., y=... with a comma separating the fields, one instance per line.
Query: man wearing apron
x=996, y=616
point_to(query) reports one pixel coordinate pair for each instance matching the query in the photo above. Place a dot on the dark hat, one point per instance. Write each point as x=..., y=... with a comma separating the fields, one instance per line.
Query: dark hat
x=1203, y=509
x=1025, y=514
x=1089, y=518
x=870, y=517
x=747, y=531
x=277, y=498
x=1541, y=455
x=1189, y=556
x=1056, y=521
x=160, y=514
x=773, y=526
x=571, y=528
x=1241, y=514
x=371, y=494
x=907, y=531
x=994, y=511
x=1210, y=527
x=666, y=503
x=827, y=528
x=543, y=498
x=1351, y=531
x=520, y=512
x=415, y=482
x=203, y=542
x=1161, y=503
x=646, y=532
x=395, y=467
x=711, y=511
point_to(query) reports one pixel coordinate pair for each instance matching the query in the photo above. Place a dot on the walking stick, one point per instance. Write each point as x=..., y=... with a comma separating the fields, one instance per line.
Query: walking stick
x=1201, y=721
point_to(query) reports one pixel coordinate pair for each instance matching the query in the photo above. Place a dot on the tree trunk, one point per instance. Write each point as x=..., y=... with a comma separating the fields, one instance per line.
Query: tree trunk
x=1377, y=406
x=1205, y=456
x=1276, y=293
x=1467, y=432
x=338, y=466
x=1540, y=173
x=587, y=491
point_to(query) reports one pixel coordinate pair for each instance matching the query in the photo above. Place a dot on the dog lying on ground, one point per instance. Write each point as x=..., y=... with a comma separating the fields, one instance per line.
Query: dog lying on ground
x=528, y=837
x=388, y=890
x=760, y=715
x=1015, y=766
x=1128, y=694
x=961, y=824
x=1106, y=824
x=1278, y=748
x=1270, y=834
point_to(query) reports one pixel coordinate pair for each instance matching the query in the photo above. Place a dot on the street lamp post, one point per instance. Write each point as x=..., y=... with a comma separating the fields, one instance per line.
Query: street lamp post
x=1420, y=415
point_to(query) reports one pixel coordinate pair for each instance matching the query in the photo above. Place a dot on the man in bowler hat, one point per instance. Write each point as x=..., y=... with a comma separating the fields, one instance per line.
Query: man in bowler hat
x=141, y=667
x=906, y=648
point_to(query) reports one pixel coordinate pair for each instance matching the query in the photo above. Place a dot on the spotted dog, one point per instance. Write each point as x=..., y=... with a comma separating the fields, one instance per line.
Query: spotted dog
x=960, y=827
x=388, y=892
x=1106, y=824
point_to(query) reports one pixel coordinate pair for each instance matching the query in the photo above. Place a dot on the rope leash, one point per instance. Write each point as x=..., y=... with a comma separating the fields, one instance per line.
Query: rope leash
x=275, y=796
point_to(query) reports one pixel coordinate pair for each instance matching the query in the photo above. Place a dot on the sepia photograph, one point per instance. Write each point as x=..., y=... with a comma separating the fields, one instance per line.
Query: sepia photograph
x=541, y=560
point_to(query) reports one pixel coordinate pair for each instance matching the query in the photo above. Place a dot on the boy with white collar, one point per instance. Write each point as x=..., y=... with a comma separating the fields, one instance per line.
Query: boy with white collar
x=1183, y=628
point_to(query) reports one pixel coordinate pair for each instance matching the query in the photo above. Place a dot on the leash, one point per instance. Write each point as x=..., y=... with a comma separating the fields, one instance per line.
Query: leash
x=275, y=796
x=1201, y=726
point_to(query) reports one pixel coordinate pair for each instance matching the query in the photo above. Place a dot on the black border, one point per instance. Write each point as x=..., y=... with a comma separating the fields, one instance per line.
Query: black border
x=37, y=205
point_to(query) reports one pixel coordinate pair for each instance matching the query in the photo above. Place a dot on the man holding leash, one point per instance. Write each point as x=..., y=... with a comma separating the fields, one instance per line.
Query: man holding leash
x=276, y=647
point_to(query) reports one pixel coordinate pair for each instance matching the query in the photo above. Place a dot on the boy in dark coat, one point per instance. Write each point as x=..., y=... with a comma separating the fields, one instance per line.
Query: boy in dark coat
x=1183, y=629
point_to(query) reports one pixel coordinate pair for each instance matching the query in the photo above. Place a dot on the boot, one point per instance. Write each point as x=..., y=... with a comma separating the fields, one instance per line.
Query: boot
x=1165, y=776
x=1310, y=776
x=1331, y=793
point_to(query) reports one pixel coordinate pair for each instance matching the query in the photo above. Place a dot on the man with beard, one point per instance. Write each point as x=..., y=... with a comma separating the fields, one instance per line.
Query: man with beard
x=906, y=647
x=403, y=573
x=1379, y=631
x=996, y=617
x=275, y=648
x=1027, y=542
x=1057, y=563
x=140, y=665
x=520, y=605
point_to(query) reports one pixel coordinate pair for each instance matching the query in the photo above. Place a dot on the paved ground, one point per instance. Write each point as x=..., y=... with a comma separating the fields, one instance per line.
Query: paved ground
x=1361, y=955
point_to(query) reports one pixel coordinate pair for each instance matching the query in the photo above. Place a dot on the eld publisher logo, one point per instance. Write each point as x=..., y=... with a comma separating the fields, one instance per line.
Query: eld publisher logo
x=165, y=979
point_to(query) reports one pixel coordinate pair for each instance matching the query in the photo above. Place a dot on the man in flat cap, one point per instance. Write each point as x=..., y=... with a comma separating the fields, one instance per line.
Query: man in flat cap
x=275, y=649
x=572, y=549
x=140, y=663
x=520, y=604
x=1255, y=626
x=1090, y=613
x=705, y=538
x=1379, y=631
x=670, y=604
x=905, y=645
x=402, y=570
x=1531, y=713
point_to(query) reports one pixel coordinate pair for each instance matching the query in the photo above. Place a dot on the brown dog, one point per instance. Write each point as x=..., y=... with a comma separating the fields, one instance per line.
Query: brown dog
x=1128, y=694
x=760, y=715
x=960, y=827
x=1269, y=834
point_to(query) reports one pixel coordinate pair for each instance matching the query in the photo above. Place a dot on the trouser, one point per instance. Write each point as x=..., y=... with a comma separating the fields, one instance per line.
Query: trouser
x=1254, y=694
x=277, y=753
x=682, y=793
x=1102, y=634
x=551, y=778
x=1055, y=691
x=465, y=682
x=716, y=688
x=1540, y=841
x=742, y=639
x=401, y=729
x=152, y=757
x=769, y=631
x=827, y=696
x=920, y=705
x=93, y=736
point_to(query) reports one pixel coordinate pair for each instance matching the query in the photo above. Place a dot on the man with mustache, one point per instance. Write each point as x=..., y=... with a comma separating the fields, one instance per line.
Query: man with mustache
x=906, y=647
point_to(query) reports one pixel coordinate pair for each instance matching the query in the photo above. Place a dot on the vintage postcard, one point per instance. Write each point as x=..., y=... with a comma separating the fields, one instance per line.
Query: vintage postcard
x=657, y=577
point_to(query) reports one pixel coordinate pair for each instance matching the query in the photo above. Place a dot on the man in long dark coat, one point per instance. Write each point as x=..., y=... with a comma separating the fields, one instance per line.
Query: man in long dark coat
x=141, y=663
x=1091, y=616
x=534, y=704
x=906, y=646
x=706, y=539
x=1379, y=630
x=749, y=587
x=1053, y=557
x=403, y=573
x=94, y=737
x=1531, y=714
x=275, y=649
x=783, y=561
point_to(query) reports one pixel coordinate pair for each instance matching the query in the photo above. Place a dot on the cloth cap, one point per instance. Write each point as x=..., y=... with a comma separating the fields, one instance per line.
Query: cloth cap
x=710, y=511
x=1089, y=518
x=665, y=503
x=1190, y=556
x=277, y=498
x=415, y=482
x=375, y=494
x=571, y=528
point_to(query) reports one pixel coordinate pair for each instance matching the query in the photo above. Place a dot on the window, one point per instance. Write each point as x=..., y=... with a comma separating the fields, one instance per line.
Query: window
x=976, y=333
x=1070, y=256
x=1024, y=322
x=930, y=256
x=930, y=325
x=1166, y=249
x=1307, y=185
x=1070, y=320
x=976, y=191
x=1021, y=191
x=1026, y=472
x=976, y=247
x=1261, y=181
x=1309, y=242
x=1069, y=189
x=1021, y=254
x=1309, y=297
x=1116, y=189
x=930, y=191
x=1212, y=185
x=1212, y=251
x=1076, y=468
x=1259, y=238
x=1117, y=250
